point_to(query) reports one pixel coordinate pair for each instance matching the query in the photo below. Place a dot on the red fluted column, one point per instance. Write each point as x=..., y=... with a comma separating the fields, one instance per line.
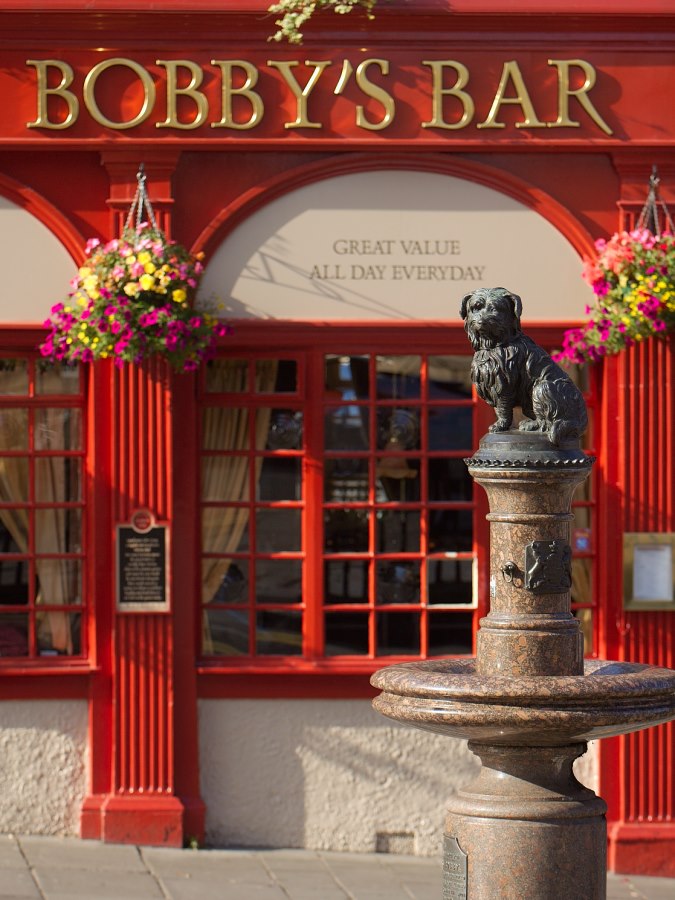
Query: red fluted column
x=145, y=703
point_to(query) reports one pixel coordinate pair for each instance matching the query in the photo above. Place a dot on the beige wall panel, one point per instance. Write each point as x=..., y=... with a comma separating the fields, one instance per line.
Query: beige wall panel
x=391, y=245
x=43, y=757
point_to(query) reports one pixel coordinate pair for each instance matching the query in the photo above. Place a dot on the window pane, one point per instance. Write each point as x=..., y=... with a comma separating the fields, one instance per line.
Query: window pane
x=582, y=580
x=398, y=634
x=397, y=531
x=398, y=582
x=227, y=375
x=279, y=633
x=398, y=377
x=280, y=479
x=58, y=633
x=57, y=429
x=225, y=632
x=451, y=428
x=225, y=581
x=450, y=530
x=13, y=634
x=277, y=530
x=13, y=377
x=225, y=429
x=345, y=480
x=13, y=581
x=60, y=581
x=346, y=530
x=398, y=429
x=450, y=634
x=346, y=581
x=347, y=377
x=449, y=479
x=397, y=480
x=58, y=530
x=278, y=429
x=277, y=376
x=347, y=634
x=54, y=378
x=225, y=530
x=450, y=581
x=57, y=480
x=13, y=429
x=346, y=428
x=13, y=483
x=225, y=478
x=450, y=377
x=278, y=581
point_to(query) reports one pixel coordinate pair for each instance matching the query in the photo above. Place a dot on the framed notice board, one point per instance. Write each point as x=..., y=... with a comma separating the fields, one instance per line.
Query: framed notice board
x=142, y=565
x=649, y=571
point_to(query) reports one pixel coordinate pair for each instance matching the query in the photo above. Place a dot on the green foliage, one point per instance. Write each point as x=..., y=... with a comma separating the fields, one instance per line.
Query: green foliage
x=295, y=13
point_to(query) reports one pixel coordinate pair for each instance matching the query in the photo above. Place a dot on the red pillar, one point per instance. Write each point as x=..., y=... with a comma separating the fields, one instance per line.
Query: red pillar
x=140, y=722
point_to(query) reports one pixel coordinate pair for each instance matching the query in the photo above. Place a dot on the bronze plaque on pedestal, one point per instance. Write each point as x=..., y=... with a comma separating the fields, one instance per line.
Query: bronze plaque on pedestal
x=455, y=867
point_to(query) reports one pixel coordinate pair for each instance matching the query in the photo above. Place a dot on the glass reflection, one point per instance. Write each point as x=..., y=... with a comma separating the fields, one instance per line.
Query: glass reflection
x=346, y=634
x=397, y=531
x=398, y=634
x=346, y=377
x=225, y=581
x=278, y=581
x=13, y=578
x=450, y=377
x=450, y=580
x=57, y=429
x=225, y=530
x=346, y=581
x=58, y=530
x=449, y=479
x=225, y=632
x=13, y=634
x=284, y=373
x=398, y=582
x=451, y=428
x=397, y=377
x=346, y=530
x=278, y=633
x=450, y=530
x=227, y=375
x=13, y=377
x=450, y=634
x=398, y=429
x=58, y=634
x=57, y=479
x=59, y=581
x=282, y=429
x=13, y=429
x=277, y=530
x=345, y=480
x=55, y=378
x=225, y=429
x=280, y=479
x=346, y=428
x=397, y=479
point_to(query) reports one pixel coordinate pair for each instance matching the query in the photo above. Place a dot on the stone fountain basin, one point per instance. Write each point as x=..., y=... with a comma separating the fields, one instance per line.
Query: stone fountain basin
x=448, y=696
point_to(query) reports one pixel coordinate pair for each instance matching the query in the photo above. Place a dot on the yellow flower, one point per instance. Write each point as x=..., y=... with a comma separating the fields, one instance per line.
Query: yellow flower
x=144, y=257
x=84, y=272
x=131, y=260
x=178, y=295
x=147, y=282
x=150, y=267
x=131, y=289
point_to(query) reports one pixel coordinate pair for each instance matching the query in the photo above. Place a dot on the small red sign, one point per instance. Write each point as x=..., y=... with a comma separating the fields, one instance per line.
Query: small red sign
x=141, y=520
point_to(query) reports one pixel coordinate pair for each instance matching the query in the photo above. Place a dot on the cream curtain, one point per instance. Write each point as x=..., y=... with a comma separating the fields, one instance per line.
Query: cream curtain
x=226, y=478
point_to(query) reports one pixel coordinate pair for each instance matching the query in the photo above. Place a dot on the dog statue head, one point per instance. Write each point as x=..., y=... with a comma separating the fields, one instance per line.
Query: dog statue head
x=491, y=317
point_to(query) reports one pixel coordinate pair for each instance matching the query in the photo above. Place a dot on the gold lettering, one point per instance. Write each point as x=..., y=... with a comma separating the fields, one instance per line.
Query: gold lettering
x=173, y=92
x=89, y=98
x=377, y=93
x=300, y=94
x=44, y=92
x=228, y=91
x=581, y=94
x=511, y=72
x=438, y=92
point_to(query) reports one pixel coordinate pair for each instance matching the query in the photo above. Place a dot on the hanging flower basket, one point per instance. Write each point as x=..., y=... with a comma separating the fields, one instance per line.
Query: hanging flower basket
x=132, y=299
x=633, y=278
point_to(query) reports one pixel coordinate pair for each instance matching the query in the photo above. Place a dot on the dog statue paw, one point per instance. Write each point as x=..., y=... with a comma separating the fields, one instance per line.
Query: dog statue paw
x=509, y=370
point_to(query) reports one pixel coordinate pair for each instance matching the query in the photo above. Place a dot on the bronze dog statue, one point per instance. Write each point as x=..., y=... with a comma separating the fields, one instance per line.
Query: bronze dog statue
x=510, y=370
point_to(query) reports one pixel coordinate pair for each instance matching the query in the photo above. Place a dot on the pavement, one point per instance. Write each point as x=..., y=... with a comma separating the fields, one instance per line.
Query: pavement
x=52, y=868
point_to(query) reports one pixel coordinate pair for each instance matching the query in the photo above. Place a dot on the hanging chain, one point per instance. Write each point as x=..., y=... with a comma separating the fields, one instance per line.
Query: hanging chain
x=655, y=216
x=141, y=202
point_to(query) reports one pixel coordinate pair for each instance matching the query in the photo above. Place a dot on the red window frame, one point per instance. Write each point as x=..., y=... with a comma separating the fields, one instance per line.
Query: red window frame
x=311, y=343
x=22, y=347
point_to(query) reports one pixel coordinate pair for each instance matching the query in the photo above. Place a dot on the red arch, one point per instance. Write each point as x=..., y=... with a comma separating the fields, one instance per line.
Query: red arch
x=503, y=182
x=41, y=209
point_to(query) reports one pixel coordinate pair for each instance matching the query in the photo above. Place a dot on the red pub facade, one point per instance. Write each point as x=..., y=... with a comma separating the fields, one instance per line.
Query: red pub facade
x=304, y=496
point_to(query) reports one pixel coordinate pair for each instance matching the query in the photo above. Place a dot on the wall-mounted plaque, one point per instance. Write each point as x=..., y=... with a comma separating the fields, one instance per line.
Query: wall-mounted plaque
x=142, y=565
x=649, y=571
x=455, y=866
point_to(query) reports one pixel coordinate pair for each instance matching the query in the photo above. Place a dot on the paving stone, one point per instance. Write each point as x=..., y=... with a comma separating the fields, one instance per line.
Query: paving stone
x=73, y=853
x=10, y=854
x=72, y=884
x=17, y=884
x=230, y=865
x=198, y=889
x=652, y=888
